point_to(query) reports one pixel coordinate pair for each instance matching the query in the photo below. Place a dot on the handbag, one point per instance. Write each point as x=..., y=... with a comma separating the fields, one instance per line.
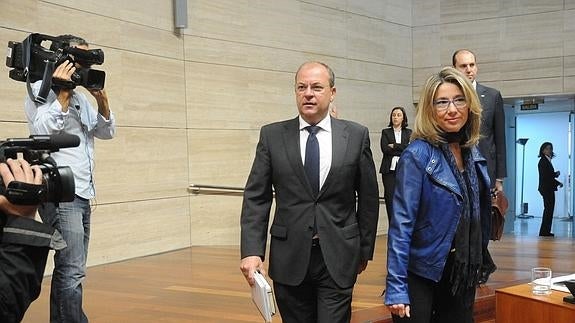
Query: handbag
x=499, y=206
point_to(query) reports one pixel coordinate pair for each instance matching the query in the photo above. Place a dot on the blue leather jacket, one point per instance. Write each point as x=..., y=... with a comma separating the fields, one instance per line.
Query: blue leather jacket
x=427, y=204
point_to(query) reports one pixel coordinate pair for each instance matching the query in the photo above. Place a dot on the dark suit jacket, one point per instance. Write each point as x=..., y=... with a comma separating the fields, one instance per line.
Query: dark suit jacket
x=547, y=175
x=347, y=227
x=388, y=137
x=492, y=142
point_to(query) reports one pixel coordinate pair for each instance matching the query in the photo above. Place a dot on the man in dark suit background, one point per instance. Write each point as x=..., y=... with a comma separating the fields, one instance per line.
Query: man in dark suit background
x=492, y=142
x=325, y=221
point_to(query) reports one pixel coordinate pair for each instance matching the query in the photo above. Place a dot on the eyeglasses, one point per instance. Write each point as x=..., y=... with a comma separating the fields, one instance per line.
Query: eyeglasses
x=443, y=104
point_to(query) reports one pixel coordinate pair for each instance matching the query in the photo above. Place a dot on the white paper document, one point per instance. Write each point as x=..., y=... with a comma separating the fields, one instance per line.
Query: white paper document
x=557, y=285
x=263, y=297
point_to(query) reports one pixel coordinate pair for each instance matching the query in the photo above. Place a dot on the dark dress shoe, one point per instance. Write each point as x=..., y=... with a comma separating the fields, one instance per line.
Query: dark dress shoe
x=547, y=235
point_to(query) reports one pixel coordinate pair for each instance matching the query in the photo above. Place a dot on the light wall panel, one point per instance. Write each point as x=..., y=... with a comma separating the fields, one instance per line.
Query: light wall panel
x=530, y=87
x=569, y=32
x=522, y=69
x=142, y=164
x=229, y=97
x=453, y=11
x=569, y=84
x=520, y=45
x=216, y=220
x=150, y=13
x=221, y=157
x=426, y=12
x=378, y=41
x=15, y=14
x=426, y=46
x=569, y=66
x=147, y=90
x=373, y=106
x=481, y=36
x=535, y=36
x=128, y=230
x=13, y=93
x=525, y=7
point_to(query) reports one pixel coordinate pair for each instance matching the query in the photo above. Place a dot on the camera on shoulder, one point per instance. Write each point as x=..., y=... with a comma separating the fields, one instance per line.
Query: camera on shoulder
x=57, y=181
x=31, y=61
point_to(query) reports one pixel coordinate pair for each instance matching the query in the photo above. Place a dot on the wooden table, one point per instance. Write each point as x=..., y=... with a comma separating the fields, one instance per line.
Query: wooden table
x=518, y=304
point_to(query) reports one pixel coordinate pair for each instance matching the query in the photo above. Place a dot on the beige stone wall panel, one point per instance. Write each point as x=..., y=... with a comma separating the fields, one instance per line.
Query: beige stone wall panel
x=221, y=157
x=141, y=164
x=129, y=230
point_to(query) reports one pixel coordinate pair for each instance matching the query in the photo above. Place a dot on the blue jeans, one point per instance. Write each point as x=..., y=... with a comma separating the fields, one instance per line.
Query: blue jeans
x=72, y=219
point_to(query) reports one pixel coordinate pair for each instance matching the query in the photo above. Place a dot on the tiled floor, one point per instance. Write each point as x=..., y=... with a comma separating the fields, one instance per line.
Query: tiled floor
x=562, y=227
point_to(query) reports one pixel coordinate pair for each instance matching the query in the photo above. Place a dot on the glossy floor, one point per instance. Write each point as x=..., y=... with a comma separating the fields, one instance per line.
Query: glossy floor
x=204, y=284
x=562, y=227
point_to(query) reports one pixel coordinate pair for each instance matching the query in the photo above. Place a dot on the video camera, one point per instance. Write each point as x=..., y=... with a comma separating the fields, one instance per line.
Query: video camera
x=57, y=181
x=30, y=62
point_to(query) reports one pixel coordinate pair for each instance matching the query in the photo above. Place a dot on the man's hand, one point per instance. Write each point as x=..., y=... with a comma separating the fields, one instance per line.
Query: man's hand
x=400, y=310
x=249, y=265
x=102, y=100
x=499, y=186
x=19, y=170
x=64, y=72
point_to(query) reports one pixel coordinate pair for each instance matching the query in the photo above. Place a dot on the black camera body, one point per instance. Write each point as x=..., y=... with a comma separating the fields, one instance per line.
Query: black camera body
x=31, y=62
x=57, y=181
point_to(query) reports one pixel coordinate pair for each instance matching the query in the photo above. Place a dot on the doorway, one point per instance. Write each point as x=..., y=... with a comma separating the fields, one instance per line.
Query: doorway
x=528, y=130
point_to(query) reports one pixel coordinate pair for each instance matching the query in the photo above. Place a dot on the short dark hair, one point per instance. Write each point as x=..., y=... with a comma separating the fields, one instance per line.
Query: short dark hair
x=73, y=40
x=404, y=122
x=329, y=70
x=543, y=146
x=453, y=58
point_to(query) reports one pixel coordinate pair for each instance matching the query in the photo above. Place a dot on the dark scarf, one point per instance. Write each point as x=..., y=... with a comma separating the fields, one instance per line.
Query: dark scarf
x=464, y=272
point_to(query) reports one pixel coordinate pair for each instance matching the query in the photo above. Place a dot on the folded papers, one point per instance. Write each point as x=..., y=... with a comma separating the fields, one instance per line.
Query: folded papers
x=263, y=297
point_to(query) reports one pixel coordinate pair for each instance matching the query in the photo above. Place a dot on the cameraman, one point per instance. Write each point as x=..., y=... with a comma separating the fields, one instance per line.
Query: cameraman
x=69, y=111
x=24, y=245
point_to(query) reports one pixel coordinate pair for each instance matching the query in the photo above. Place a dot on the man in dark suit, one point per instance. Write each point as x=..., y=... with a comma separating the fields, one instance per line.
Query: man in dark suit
x=492, y=142
x=326, y=209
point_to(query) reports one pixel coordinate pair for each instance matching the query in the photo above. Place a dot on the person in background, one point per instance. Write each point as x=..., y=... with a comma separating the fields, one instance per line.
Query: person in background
x=326, y=205
x=394, y=140
x=69, y=111
x=441, y=208
x=547, y=187
x=492, y=141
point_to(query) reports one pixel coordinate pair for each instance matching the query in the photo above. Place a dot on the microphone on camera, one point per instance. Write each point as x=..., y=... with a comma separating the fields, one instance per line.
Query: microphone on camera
x=44, y=142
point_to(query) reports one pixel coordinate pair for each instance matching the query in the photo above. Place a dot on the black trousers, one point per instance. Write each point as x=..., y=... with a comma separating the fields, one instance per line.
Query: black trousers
x=548, y=209
x=388, y=180
x=317, y=299
x=433, y=302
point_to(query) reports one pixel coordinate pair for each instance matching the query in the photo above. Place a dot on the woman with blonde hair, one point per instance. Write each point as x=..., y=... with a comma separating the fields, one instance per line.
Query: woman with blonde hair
x=441, y=208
